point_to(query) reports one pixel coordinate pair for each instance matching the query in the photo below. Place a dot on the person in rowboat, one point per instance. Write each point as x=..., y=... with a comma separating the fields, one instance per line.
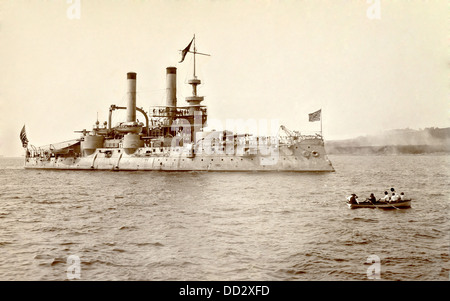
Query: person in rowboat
x=386, y=197
x=372, y=198
x=353, y=199
x=395, y=197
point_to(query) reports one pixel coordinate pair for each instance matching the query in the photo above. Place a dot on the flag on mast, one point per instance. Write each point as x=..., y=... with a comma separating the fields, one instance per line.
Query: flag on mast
x=23, y=137
x=315, y=116
x=185, y=51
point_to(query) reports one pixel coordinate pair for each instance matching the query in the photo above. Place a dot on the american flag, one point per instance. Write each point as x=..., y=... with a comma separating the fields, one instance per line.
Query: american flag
x=23, y=137
x=315, y=116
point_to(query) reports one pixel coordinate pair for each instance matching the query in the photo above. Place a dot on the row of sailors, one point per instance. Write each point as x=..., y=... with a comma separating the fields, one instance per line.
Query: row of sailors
x=178, y=112
x=394, y=197
x=353, y=199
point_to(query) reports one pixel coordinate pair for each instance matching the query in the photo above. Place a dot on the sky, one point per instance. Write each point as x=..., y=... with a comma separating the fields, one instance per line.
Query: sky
x=370, y=65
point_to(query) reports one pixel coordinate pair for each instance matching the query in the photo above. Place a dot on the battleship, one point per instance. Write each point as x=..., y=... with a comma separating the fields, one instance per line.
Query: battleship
x=176, y=138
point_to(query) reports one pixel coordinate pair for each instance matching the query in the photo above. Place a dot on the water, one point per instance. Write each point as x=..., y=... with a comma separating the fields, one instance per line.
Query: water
x=225, y=226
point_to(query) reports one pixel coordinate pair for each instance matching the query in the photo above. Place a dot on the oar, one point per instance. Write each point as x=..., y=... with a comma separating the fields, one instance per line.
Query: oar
x=373, y=203
x=386, y=203
x=394, y=206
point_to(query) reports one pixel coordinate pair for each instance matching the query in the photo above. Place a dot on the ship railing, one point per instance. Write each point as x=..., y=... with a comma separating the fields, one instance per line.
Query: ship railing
x=242, y=146
x=312, y=136
x=300, y=137
x=42, y=154
x=177, y=112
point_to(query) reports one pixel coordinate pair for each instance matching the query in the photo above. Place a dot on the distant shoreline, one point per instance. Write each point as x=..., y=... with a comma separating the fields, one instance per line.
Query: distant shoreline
x=388, y=150
x=395, y=142
x=380, y=155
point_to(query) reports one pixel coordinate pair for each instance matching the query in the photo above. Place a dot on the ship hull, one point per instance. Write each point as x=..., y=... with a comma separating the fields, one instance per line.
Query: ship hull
x=286, y=158
x=177, y=164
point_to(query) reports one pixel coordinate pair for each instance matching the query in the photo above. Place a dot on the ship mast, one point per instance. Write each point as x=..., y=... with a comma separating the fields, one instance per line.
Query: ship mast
x=197, y=114
x=194, y=100
x=194, y=81
x=195, y=108
x=195, y=50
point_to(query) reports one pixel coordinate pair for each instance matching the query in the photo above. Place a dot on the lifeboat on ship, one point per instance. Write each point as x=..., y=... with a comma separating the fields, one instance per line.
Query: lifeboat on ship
x=129, y=127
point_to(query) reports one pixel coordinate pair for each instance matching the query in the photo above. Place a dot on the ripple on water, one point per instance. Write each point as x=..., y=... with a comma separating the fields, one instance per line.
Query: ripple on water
x=184, y=226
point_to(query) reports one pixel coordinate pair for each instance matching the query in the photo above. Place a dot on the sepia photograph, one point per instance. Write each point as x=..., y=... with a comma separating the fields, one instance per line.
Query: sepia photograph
x=225, y=147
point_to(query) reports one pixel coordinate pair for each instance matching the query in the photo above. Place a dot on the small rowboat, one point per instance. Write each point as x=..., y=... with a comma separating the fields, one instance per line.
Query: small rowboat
x=384, y=205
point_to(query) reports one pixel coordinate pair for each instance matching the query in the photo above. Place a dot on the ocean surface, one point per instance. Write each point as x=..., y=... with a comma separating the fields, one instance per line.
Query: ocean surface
x=226, y=225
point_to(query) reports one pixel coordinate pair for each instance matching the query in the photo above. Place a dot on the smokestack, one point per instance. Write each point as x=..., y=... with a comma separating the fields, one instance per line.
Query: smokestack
x=171, y=87
x=131, y=95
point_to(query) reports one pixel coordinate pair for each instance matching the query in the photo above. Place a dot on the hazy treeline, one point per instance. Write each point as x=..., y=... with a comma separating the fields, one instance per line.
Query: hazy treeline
x=403, y=141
